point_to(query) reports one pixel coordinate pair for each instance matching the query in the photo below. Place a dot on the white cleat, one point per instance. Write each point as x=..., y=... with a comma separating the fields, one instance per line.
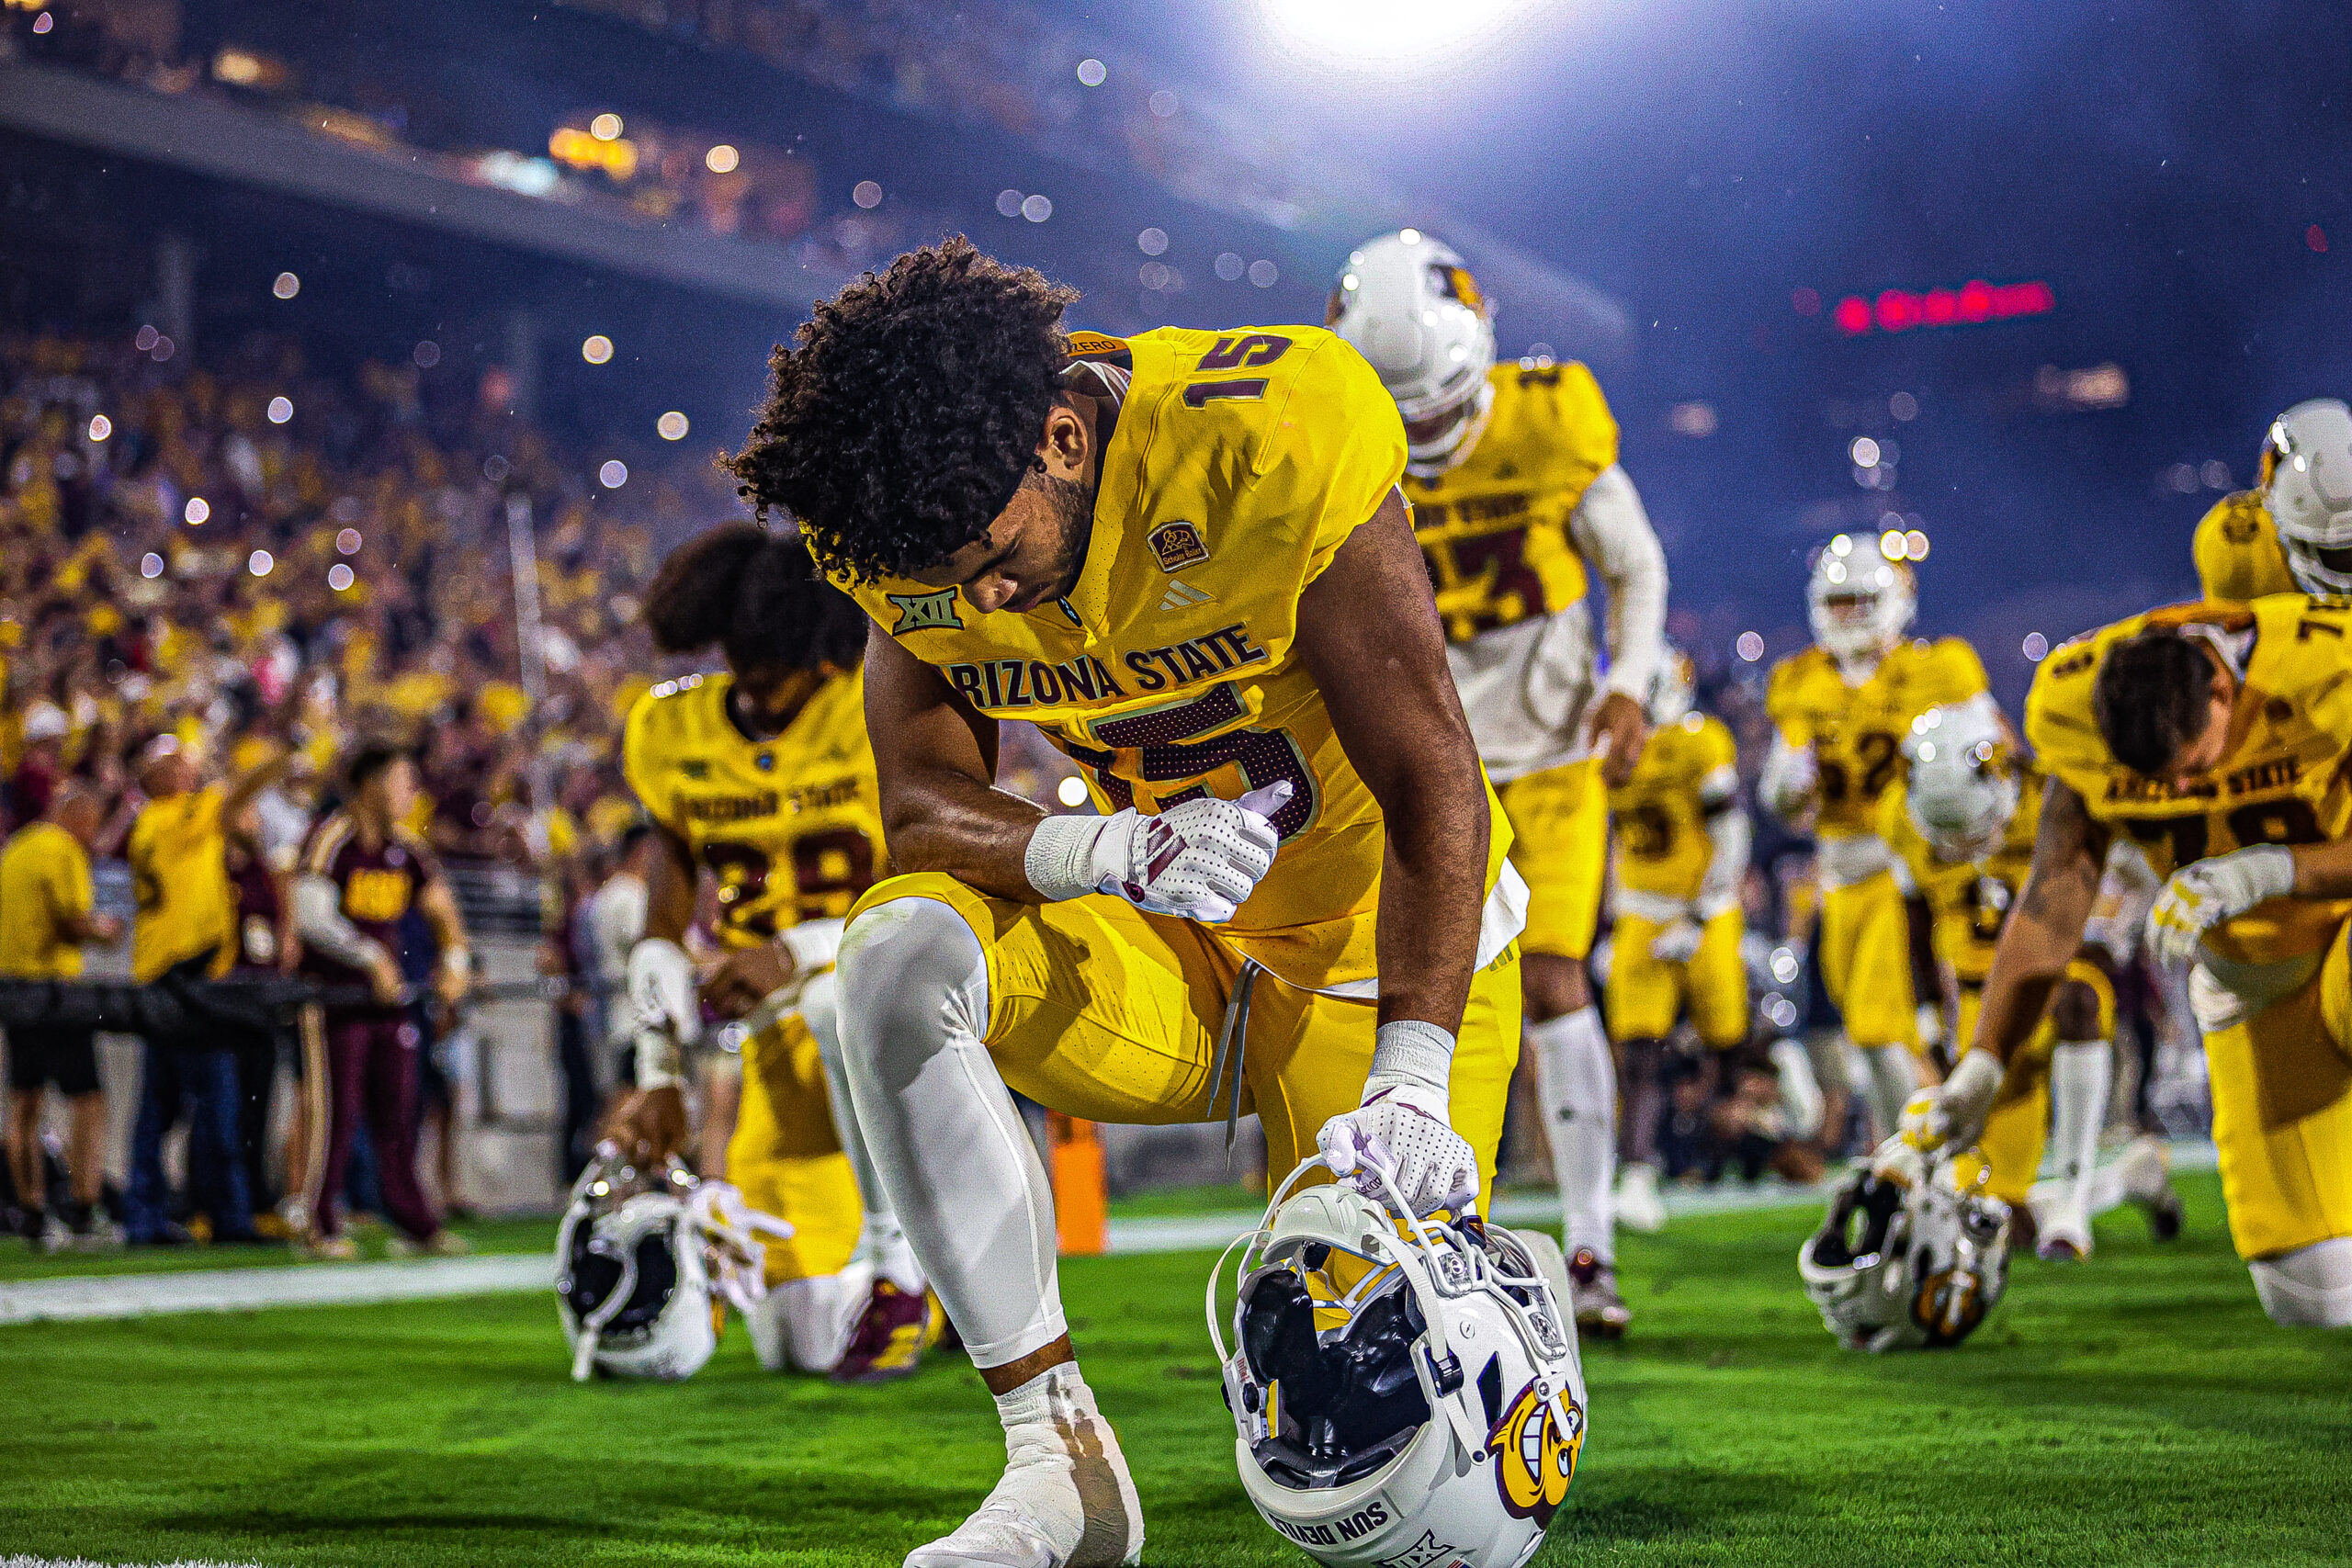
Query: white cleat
x=1065, y=1500
x=2062, y=1229
x=2146, y=1173
x=1639, y=1206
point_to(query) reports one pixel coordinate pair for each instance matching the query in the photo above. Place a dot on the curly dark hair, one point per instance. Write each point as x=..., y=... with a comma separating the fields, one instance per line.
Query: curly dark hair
x=2153, y=692
x=758, y=596
x=903, y=416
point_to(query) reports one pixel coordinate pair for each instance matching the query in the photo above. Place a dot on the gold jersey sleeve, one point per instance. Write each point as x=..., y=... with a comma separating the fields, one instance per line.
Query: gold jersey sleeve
x=1968, y=901
x=790, y=829
x=1857, y=731
x=2237, y=551
x=1238, y=463
x=1661, y=813
x=2281, y=781
x=1494, y=528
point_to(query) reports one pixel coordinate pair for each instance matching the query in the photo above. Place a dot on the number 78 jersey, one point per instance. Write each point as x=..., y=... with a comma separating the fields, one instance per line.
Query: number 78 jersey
x=1857, y=731
x=2281, y=781
x=1234, y=466
x=790, y=829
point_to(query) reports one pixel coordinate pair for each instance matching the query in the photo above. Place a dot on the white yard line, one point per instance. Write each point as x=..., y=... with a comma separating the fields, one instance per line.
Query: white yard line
x=88, y=1297
x=241, y=1290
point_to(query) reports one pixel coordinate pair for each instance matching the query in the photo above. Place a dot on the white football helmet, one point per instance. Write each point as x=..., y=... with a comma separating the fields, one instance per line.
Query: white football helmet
x=2307, y=486
x=1907, y=1258
x=1402, y=1390
x=1672, y=687
x=639, y=1256
x=1858, y=602
x=1963, y=787
x=1411, y=308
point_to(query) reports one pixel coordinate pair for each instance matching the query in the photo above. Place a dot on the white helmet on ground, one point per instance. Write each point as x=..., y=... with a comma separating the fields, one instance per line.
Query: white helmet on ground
x=1858, y=602
x=1439, y=1415
x=1672, y=687
x=1906, y=1257
x=1963, y=787
x=1411, y=308
x=2307, y=486
x=638, y=1260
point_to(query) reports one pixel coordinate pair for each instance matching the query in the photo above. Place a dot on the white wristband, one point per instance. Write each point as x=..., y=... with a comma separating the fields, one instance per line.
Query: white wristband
x=1060, y=860
x=814, y=945
x=1410, y=1051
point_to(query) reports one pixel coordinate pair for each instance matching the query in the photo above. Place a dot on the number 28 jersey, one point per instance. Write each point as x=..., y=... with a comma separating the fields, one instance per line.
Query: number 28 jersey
x=1234, y=466
x=2281, y=781
x=1857, y=731
x=790, y=829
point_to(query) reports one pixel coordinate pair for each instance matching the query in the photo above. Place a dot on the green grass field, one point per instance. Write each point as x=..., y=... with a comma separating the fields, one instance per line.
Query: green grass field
x=2137, y=1410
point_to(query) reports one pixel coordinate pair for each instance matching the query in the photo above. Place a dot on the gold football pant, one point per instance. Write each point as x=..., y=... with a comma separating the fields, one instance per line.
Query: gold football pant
x=1559, y=823
x=1101, y=1011
x=2282, y=1082
x=1646, y=994
x=1866, y=961
x=2018, y=1127
x=786, y=1157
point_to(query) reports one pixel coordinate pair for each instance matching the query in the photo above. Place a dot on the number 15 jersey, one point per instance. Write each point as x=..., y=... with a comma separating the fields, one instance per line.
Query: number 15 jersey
x=1234, y=466
x=790, y=827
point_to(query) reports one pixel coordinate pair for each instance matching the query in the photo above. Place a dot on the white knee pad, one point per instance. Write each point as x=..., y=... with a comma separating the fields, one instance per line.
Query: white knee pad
x=2307, y=1288
x=805, y=1324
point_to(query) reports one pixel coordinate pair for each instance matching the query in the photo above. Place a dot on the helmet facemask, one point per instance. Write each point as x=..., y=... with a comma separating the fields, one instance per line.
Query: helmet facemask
x=1859, y=602
x=1908, y=1257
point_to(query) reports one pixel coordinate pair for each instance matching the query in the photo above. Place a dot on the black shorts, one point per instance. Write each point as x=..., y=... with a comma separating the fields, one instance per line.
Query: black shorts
x=64, y=1055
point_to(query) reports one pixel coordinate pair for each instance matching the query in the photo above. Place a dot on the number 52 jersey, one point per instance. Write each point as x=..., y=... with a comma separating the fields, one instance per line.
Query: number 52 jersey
x=789, y=828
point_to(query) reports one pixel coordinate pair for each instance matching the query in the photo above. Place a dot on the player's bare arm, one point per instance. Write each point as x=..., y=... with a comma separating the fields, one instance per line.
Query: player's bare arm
x=936, y=758
x=2044, y=932
x=1369, y=632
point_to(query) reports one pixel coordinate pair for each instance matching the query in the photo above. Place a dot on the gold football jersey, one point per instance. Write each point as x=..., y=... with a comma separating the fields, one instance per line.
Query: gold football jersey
x=2281, y=781
x=1969, y=900
x=1238, y=464
x=791, y=828
x=2237, y=551
x=1495, y=527
x=1857, y=731
x=1662, y=843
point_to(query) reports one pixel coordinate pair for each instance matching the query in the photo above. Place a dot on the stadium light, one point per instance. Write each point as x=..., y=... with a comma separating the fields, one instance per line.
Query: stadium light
x=1391, y=35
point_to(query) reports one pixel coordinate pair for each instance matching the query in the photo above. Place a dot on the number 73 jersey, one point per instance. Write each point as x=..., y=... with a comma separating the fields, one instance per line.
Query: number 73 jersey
x=2281, y=781
x=790, y=829
x=1234, y=466
x=1857, y=731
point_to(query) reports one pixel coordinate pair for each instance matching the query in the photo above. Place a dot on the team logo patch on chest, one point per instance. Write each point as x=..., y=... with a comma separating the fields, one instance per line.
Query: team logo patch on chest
x=1176, y=545
x=920, y=612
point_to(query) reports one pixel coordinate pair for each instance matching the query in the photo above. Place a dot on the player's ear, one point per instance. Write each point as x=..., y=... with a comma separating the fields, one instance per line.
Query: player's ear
x=1068, y=440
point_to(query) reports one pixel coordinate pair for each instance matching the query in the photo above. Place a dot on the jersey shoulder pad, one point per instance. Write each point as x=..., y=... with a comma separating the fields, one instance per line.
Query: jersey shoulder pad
x=1556, y=411
x=1790, y=680
x=1956, y=671
x=1717, y=748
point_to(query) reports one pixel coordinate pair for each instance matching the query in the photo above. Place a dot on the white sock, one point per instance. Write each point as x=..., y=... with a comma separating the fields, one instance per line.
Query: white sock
x=1576, y=1085
x=1066, y=1490
x=2307, y=1288
x=2080, y=1071
x=881, y=1240
x=952, y=1155
x=1893, y=1077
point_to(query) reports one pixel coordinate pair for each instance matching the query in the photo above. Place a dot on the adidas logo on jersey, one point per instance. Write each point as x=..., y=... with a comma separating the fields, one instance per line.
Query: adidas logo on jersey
x=1182, y=595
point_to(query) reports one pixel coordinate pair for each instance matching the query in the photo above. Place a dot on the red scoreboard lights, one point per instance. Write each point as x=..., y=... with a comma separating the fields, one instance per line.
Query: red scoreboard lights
x=1898, y=309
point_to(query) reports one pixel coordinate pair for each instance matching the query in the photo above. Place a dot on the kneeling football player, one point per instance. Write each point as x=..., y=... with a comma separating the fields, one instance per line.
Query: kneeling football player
x=2217, y=736
x=762, y=777
x=1183, y=555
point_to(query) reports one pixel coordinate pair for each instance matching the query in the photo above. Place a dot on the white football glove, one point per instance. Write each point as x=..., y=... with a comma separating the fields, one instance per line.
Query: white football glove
x=1791, y=775
x=1952, y=1114
x=1404, y=1129
x=2200, y=896
x=1199, y=859
x=664, y=1016
x=1678, y=944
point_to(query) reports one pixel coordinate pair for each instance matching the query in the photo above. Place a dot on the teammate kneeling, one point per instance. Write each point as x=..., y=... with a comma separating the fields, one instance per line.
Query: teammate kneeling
x=1681, y=854
x=1963, y=826
x=2216, y=735
x=761, y=776
x=1182, y=556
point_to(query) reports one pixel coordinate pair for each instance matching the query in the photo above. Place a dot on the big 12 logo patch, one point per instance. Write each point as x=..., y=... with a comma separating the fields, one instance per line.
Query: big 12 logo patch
x=1535, y=1453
